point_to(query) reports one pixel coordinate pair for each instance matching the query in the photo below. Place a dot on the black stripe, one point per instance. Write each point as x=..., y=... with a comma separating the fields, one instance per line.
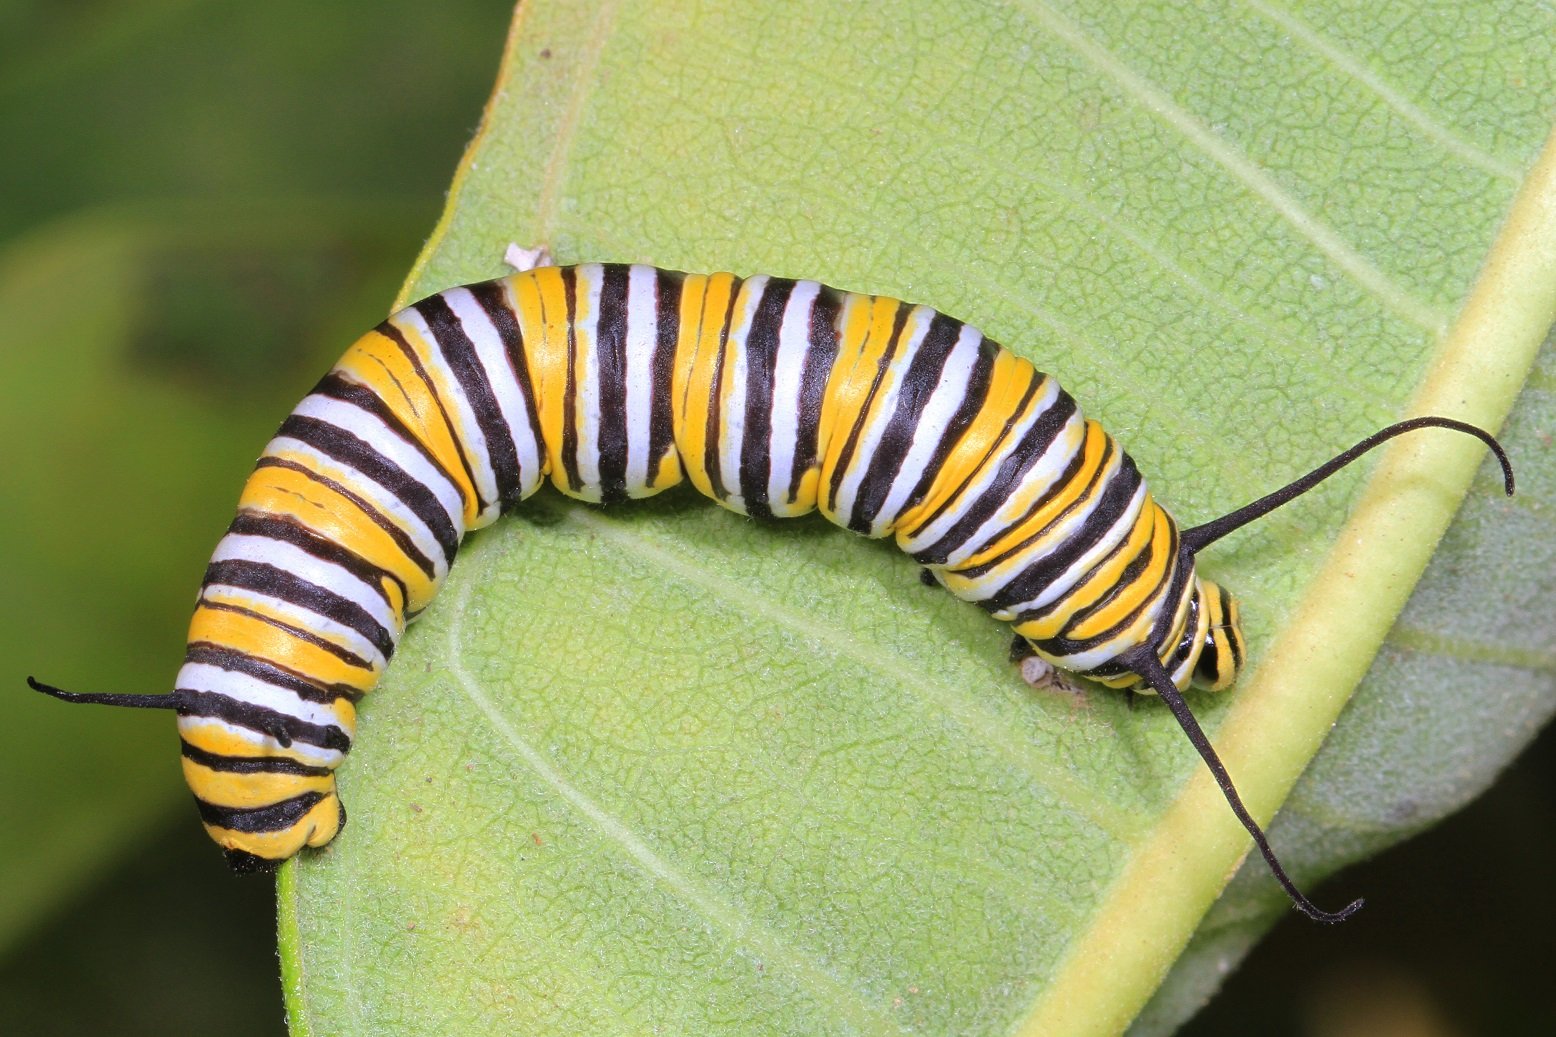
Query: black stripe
x=610, y=351
x=401, y=539
x=261, y=669
x=268, y=579
x=1233, y=636
x=570, y=385
x=276, y=817
x=1018, y=460
x=1067, y=479
x=283, y=727
x=459, y=352
x=923, y=377
x=1128, y=585
x=756, y=461
x=250, y=764
x=1177, y=585
x=845, y=456
x=819, y=358
x=354, y=452
x=490, y=297
x=1105, y=670
x=973, y=401
x=1166, y=597
x=345, y=655
x=289, y=531
x=1188, y=641
x=393, y=334
x=661, y=419
x=711, y=455
x=336, y=386
x=1110, y=507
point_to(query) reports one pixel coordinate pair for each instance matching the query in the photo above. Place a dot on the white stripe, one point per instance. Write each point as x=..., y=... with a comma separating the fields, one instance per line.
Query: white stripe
x=1201, y=630
x=883, y=407
x=1044, y=399
x=498, y=369
x=1107, y=651
x=1057, y=536
x=244, y=688
x=1082, y=566
x=642, y=343
x=305, y=619
x=947, y=399
x=1043, y=478
x=589, y=279
x=368, y=428
x=264, y=745
x=1081, y=662
x=732, y=407
x=292, y=559
x=793, y=347
x=378, y=497
x=1040, y=481
x=447, y=389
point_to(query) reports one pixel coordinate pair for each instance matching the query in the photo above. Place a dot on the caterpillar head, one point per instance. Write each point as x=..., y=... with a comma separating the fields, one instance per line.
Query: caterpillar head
x=1220, y=638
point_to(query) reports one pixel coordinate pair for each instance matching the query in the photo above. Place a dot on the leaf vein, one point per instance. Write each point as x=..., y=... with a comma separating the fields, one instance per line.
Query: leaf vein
x=771, y=946
x=1417, y=116
x=995, y=735
x=1393, y=296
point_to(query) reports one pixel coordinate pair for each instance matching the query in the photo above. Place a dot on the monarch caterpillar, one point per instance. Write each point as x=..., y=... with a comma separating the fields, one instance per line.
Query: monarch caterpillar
x=773, y=397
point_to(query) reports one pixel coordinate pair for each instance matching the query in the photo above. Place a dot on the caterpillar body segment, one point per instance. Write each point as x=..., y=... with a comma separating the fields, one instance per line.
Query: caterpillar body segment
x=773, y=397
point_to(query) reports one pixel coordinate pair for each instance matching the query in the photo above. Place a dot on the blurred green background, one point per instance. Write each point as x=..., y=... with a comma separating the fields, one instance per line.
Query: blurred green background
x=202, y=204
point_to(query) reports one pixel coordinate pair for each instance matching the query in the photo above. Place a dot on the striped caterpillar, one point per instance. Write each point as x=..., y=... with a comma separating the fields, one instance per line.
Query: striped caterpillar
x=774, y=398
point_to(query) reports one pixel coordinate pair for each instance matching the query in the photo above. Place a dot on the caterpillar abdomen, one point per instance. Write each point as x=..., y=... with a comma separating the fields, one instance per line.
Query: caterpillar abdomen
x=773, y=397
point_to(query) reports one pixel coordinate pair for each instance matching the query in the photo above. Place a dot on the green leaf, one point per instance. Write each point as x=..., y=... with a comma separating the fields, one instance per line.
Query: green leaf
x=662, y=768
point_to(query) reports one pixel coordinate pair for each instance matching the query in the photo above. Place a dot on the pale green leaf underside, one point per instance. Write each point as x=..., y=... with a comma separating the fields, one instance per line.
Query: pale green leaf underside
x=663, y=768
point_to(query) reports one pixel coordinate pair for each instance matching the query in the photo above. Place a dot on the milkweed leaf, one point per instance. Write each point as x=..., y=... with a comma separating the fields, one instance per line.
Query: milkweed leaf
x=660, y=767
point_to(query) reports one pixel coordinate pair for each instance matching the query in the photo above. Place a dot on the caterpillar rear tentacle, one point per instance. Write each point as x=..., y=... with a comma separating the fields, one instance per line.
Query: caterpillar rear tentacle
x=772, y=397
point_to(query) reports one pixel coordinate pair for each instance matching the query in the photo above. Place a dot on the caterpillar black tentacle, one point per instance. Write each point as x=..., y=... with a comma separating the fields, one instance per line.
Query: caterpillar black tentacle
x=774, y=398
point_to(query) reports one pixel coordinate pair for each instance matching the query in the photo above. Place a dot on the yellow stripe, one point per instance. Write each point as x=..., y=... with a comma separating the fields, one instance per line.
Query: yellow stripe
x=257, y=638
x=379, y=364
x=1009, y=381
x=877, y=367
x=1219, y=609
x=541, y=310
x=704, y=304
x=1127, y=680
x=375, y=497
x=248, y=790
x=684, y=368
x=216, y=737
x=282, y=492
x=447, y=389
x=587, y=282
x=315, y=828
x=1031, y=494
x=270, y=608
x=1059, y=502
x=1106, y=579
x=864, y=346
